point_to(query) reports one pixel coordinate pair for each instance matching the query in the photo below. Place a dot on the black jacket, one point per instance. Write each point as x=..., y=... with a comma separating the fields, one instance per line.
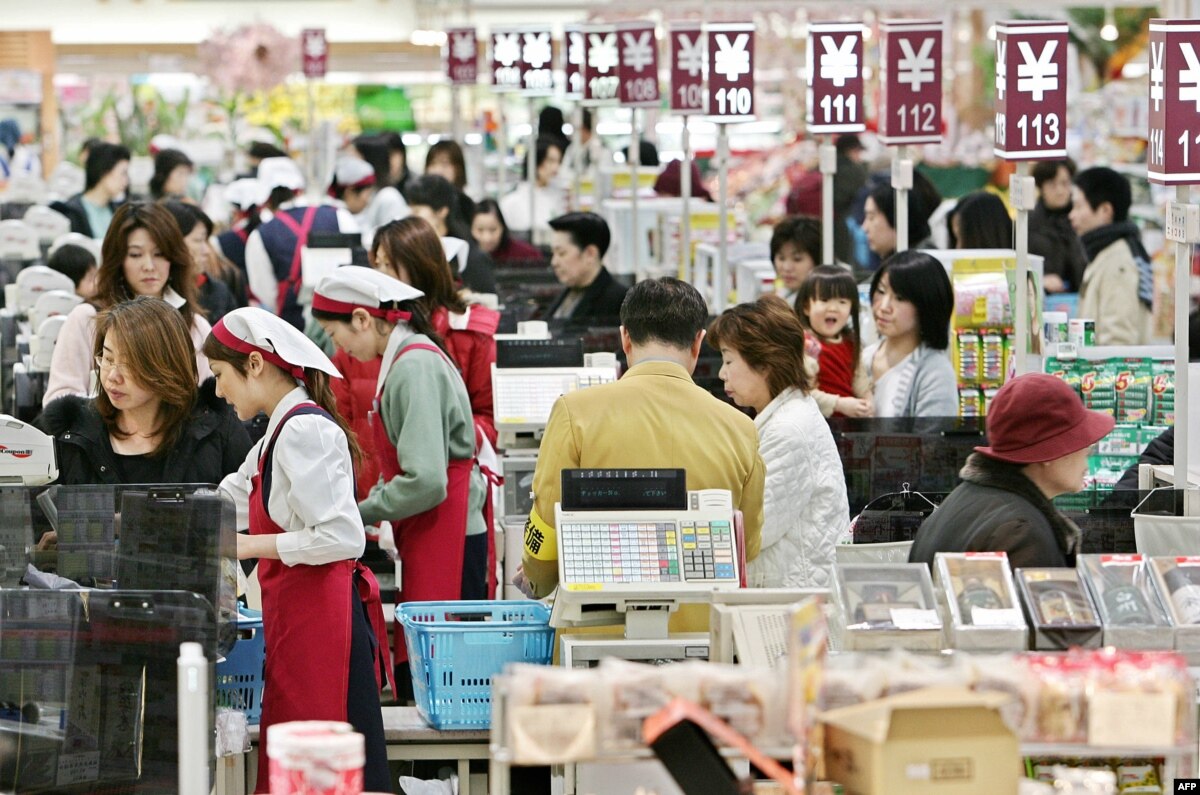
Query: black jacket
x=1051, y=236
x=73, y=209
x=1159, y=451
x=212, y=444
x=997, y=509
x=601, y=301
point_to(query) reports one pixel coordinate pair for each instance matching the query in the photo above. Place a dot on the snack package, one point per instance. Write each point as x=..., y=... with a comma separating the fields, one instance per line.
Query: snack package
x=993, y=358
x=969, y=364
x=1097, y=385
x=907, y=672
x=1137, y=775
x=1133, y=388
x=1003, y=673
x=552, y=713
x=970, y=402
x=750, y=700
x=632, y=692
x=1059, y=712
x=850, y=679
x=1163, y=389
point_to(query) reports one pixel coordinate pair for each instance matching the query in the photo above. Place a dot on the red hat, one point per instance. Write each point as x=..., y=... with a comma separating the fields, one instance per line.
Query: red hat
x=1038, y=417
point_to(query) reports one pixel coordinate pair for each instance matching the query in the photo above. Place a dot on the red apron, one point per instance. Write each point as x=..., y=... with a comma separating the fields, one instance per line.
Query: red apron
x=430, y=544
x=300, y=230
x=306, y=623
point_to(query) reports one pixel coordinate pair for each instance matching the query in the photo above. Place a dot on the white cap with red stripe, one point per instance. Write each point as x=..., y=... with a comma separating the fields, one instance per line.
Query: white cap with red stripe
x=251, y=329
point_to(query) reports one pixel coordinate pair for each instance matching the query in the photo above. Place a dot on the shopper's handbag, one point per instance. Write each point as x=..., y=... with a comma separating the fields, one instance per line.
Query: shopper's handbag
x=1166, y=523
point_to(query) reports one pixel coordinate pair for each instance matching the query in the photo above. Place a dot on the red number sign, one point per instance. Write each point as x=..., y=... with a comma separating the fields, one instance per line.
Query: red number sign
x=1173, y=156
x=575, y=49
x=687, y=68
x=462, y=59
x=910, y=103
x=601, y=82
x=835, y=81
x=1031, y=90
x=730, y=70
x=314, y=52
x=637, y=48
x=537, y=61
x=506, y=60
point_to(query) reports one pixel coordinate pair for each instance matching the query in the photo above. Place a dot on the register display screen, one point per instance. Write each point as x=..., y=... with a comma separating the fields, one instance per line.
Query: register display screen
x=624, y=489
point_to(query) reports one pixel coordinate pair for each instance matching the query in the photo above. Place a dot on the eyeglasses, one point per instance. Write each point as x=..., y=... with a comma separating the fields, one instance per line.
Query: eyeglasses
x=107, y=365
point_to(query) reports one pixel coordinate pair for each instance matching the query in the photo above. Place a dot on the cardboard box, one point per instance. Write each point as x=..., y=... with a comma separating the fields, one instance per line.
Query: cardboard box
x=936, y=741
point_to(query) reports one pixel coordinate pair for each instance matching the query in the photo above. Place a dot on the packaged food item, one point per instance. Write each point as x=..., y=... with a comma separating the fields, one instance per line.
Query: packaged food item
x=1163, y=387
x=1133, y=387
x=1060, y=709
x=1137, y=775
x=1056, y=327
x=552, y=713
x=1097, y=385
x=992, y=359
x=981, y=601
x=749, y=699
x=1130, y=609
x=970, y=402
x=632, y=692
x=1081, y=332
x=969, y=357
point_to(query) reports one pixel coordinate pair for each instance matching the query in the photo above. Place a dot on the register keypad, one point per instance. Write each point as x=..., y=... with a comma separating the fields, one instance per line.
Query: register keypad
x=639, y=552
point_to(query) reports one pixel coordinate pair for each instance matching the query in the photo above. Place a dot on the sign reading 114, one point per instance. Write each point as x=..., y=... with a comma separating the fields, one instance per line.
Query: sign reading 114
x=1174, y=136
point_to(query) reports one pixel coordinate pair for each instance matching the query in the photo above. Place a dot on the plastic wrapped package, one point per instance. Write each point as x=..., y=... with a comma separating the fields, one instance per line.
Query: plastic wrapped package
x=1059, y=609
x=1004, y=673
x=907, y=672
x=1058, y=713
x=1177, y=581
x=850, y=679
x=887, y=606
x=980, y=600
x=551, y=715
x=750, y=700
x=630, y=693
x=1131, y=611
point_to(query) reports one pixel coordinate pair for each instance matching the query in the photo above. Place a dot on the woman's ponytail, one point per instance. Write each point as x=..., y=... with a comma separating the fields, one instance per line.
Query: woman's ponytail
x=321, y=393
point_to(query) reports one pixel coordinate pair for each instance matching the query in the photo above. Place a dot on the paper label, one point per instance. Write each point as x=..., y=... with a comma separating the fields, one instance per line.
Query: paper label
x=1131, y=719
x=1132, y=559
x=911, y=618
x=917, y=772
x=990, y=617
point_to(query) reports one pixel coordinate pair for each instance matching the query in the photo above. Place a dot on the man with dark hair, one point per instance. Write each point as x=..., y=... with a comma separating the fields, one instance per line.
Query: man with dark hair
x=435, y=199
x=654, y=417
x=1118, y=285
x=105, y=184
x=580, y=241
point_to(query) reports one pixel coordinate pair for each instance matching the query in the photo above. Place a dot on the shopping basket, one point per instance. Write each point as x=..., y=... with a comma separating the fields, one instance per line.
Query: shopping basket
x=240, y=674
x=455, y=648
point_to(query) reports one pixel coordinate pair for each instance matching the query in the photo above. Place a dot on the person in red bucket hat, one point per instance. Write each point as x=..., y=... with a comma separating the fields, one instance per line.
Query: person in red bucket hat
x=1040, y=435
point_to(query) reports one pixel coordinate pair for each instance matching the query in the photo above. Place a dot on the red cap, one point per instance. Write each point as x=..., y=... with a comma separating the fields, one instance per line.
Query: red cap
x=1038, y=417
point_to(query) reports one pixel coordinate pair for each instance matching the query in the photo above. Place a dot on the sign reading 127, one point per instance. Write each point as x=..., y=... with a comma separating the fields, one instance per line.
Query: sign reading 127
x=1031, y=90
x=1173, y=156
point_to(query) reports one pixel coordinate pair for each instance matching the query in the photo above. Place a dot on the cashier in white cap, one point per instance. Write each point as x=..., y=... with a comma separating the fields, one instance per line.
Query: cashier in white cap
x=247, y=198
x=326, y=641
x=357, y=185
x=431, y=488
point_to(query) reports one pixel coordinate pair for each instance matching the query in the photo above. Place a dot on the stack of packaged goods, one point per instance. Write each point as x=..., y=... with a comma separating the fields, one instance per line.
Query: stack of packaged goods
x=1139, y=393
x=983, y=335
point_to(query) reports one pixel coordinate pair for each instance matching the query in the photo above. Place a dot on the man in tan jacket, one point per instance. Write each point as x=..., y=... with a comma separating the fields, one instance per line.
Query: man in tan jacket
x=1118, y=283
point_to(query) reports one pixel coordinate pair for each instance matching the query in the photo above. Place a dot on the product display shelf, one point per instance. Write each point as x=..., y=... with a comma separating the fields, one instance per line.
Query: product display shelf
x=1178, y=762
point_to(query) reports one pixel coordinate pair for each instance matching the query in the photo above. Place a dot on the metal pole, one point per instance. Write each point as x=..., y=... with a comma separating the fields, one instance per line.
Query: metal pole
x=1183, y=280
x=635, y=160
x=828, y=165
x=531, y=168
x=902, y=188
x=313, y=188
x=1021, y=179
x=576, y=155
x=502, y=148
x=455, y=114
x=720, y=286
x=685, y=219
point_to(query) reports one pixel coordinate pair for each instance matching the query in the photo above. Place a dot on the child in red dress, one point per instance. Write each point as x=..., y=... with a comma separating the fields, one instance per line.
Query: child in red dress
x=828, y=306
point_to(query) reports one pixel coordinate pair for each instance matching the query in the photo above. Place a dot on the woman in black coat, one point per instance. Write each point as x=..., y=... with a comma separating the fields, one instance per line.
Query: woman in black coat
x=1040, y=436
x=149, y=422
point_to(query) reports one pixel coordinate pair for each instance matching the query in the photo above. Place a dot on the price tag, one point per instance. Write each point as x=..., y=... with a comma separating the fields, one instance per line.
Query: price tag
x=835, y=81
x=1173, y=153
x=910, y=99
x=911, y=618
x=730, y=71
x=688, y=60
x=993, y=617
x=1183, y=223
x=461, y=54
x=506, y=60
x=575, y=47
x=314, y=52
x=637, y=49
x=1031, y=90
x=601, y=81
x=1118, y=560
x=537, y=62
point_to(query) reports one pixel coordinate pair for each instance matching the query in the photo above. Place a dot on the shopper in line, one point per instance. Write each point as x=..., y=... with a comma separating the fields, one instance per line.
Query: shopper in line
x=446, y=159
x=805, y=508
x=879, y=217
x=548, y=196
x=654, y=417
x=296, y=488
x=848, y=180
x=143, y=254
x=431, y=487
x=795, y=251
x=912, y=299
x=433, y=198
x=248, y=200
x=1050, y=232
x=148, y=423
x=1118, y=285
x=670, y=181
x=79, y=265
x=1039, y=438
x=356, y=185
x=828, y=308
x=106, y=178
x=172, y=171
x=590, y=295
x=273, y=250
x=490, y=231
x=980, y=220
x=213, y=292
x=384, y=202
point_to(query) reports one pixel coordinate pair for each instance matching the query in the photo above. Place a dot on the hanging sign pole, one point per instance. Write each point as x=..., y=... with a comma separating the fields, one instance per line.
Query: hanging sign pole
x=461, y=54
x=574, y=52
x=537, y=80
x=315, y=61
x=688, y=97
x=505, y=78
x=638, y=69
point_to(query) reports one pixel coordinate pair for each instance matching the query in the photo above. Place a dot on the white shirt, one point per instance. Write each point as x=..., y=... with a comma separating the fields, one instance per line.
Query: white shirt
x=386, y=205
x=312, y=488
x=549, y=202
x=889, y=386
x=260, y=273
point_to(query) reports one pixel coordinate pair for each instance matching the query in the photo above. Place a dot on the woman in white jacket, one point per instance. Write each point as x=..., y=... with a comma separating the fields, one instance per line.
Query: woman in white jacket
x=805, y=508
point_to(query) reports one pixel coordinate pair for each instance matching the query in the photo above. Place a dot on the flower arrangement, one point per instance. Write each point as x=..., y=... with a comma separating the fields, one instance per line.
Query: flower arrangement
x=247, y=59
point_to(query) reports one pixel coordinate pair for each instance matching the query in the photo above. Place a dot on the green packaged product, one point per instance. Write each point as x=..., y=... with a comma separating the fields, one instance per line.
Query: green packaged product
x=1122, y=440
x=1163, y=388
x=1098, y=385
x=1133, y=386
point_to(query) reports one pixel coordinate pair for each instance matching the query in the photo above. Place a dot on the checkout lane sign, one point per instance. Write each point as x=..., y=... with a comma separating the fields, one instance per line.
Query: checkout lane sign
x=1031, y=90
x=730, y=58
x=688, y=60
x=574, y=51
x=834, y=60
x=601, y=79
x=910, y=101
x=637, y=48
x=537, y=61
x=462, y=56
x=506, y=60
x=314, y=52
x=1173, y=155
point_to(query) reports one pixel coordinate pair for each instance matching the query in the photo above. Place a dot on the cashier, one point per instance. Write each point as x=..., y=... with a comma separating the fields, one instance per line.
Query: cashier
x=591, y=296
x=1040, y=436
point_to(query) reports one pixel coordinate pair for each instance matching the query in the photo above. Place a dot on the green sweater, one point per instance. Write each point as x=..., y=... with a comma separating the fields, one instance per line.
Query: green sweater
x=428, y=418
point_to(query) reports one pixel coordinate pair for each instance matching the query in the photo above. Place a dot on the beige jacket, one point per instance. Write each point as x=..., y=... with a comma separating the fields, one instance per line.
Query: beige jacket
x=1109, y=296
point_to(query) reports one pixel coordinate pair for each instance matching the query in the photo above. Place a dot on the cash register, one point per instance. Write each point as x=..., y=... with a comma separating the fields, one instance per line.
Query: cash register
x=633, y=545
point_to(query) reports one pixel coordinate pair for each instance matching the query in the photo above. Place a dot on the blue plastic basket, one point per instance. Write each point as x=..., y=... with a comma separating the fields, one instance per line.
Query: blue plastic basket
x=240, y=674
x=455, y=648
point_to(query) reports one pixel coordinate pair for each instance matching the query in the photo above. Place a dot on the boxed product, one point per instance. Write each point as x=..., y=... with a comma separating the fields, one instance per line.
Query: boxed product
x=1059, y=609
x=1132, y=384
x=887, y=606
x=1162, y=375
x=980, y=601
x=944, y=739
x=1178, y=584
x=552, y=714
x=1130, y=609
